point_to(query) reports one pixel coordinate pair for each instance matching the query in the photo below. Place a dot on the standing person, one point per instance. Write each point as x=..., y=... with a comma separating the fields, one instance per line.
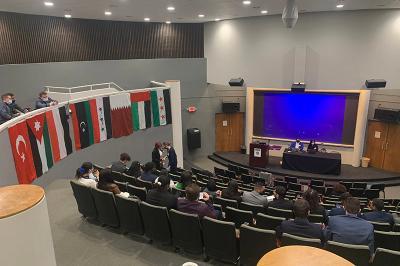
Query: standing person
x=15, y=108
x=44, y=101
x=156, y=155
x=120, y=166
x=87, y=175
x=5, y=109
x=172, y=158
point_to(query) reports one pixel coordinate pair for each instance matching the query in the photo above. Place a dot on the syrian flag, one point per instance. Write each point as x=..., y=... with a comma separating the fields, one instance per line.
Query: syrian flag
x=103, y=117
x=121, y=115
x=40, y=143
x=161, y=107
x=58, y=130
x=141, y=110
x=83, y=125
x=22, y=153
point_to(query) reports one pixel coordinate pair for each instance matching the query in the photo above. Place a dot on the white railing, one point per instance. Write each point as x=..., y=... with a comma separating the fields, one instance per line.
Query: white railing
x=89, y=87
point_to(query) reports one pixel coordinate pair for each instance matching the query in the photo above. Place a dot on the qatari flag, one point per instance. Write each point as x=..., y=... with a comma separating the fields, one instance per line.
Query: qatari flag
x=121, y=115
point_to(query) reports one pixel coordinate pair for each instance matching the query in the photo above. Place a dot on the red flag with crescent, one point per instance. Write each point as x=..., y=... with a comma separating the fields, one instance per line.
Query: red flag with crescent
x=22, y=152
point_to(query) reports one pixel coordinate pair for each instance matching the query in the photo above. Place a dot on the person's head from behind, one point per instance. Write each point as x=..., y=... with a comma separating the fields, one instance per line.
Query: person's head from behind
x=279, y=192
x=192, y=192
x=124, y=158
x=163, y=182
x=6, y=98
x=186, y=178
x=85, y=169
x=149, y=167
x=43, y=95
x=105, y=176
x=233, y=186
x=259, y=187
x=135, y=166
x=339, y=188
x=377, y=204
x=167, y=145
x=344, y=197
x=164, y=172
x=352, y=205
x=211, y=185
x=312, y=197
x=157, y=145
x=301, y=208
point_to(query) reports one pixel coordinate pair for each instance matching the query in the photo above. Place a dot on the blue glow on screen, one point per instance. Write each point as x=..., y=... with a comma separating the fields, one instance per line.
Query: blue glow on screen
x=305, y=116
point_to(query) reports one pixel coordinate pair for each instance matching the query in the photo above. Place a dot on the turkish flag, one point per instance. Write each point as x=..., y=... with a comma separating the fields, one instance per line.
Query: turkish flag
x=21, y=149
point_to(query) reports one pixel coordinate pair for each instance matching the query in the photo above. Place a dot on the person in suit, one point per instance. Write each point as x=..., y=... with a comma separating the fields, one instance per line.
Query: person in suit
x=172, y=158
x=147, y=174
x=339, y=210
x=5, y=109
x=279, y=201
x=349, y=228
x=255, y=197
x=160, y=196
x=156, y=155
x=378, y=214
x=296, y=145
x=135, y=169
x=120, y=166
x=300, y=226
x=312, y=146
x=44, y=101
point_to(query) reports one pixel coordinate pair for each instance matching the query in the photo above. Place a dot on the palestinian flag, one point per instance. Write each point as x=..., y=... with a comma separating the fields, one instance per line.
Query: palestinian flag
x=161, y=107
x=58, y=129
x=40, y=143
x=121, y=115
x=83, y=125
x=22, y=153
x=103, y=117
x=141, y=110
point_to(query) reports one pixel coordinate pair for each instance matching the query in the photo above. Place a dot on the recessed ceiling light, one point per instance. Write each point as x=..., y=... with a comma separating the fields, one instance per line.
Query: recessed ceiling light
x=201, y=16
x=107, y=13
x=246, y=2
x=217, y=19
x=340, y=6
x=67, y=15
x=146, y=19
x=264, y=11
x=170, y=8
x=168, y=22
x=48, y=3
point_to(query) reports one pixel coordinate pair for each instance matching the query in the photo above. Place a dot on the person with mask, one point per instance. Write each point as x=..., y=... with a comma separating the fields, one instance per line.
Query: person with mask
x=296, y=146
x=87, y=175
x=5, y=109
x=172, y=158
x=15, y=108
x=44, y=101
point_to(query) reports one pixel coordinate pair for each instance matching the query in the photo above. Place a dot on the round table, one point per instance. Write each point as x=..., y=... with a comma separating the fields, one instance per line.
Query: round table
x=301, y=256
x=25, y=227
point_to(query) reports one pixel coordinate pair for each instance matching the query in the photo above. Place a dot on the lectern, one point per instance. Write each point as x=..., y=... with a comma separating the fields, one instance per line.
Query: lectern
x=259, y=154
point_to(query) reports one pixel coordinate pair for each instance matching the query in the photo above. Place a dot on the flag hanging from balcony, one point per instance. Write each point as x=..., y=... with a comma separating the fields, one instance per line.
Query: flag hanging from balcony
x=141, y=110
x=161, y=107
x=121, y=115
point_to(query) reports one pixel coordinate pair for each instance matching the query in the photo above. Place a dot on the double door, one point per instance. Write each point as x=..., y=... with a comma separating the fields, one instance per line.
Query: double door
x=229, y=131
x=383, y=145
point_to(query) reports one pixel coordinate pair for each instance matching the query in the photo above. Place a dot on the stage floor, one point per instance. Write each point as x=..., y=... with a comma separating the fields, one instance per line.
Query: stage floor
x=348, y=172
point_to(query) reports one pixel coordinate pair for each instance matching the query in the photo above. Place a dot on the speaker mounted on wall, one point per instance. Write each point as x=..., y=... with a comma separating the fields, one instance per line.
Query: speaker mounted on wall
x=236, y=82
x=375, y=83
x=228, y=107
x=298, y=87
x=387, y=115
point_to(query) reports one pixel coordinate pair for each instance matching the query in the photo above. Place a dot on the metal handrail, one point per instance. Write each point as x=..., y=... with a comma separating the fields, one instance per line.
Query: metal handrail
x=70, y=89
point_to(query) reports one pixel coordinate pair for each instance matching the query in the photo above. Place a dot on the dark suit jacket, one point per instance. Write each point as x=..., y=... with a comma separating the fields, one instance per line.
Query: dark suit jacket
x=379, y=216
x=156, y=158
x=300, y=227
x=281, y=204
x=162, y=198
x=118, y=167
x=172, y=159
x=148, y=176
x=337, y=211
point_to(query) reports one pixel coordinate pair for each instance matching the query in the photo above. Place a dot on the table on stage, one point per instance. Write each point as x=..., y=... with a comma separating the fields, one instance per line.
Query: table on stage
x=301, y=256
x=317, y=163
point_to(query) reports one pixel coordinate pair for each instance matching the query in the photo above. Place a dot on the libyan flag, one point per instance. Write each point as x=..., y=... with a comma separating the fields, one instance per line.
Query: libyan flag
x=161, y=107
x=40, y=143
x=141, y=110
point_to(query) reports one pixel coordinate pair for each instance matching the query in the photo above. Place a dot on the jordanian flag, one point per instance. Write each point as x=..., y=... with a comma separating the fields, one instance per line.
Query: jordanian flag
x=161, y=107
x=40, y=143
x=82, y=122
x=141, y=110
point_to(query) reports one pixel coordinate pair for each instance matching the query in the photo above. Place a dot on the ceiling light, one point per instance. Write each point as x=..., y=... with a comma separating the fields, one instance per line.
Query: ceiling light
x=246, y=2
x=48, y=3
x=201, y=16
x=168, y=22
x=108, y=13
x=217, y=19
x=146, y=19
x=170, y=8
x=67, y=15
x=339, y=5
x=264, y=11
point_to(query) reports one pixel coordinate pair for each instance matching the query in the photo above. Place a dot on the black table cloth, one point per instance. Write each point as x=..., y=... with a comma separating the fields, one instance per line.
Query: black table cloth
x=317, y=163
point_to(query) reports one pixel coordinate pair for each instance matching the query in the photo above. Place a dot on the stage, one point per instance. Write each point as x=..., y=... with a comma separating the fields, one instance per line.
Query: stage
x=348, y=172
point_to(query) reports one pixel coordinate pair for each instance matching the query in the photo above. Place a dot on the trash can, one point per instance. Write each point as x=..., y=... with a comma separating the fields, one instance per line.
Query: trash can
x=365, y=162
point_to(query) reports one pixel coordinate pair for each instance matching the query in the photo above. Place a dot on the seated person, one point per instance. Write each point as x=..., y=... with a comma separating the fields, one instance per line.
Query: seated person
x=5, y=109
x=314, y=200
x=44, y=101
x=378, y=214
x=349, y=228
x=279, y=201
x=135, y=169
x=338, y=190
x=120, y=166
x=339, y=210
x=255, y=197
x=186, y=179
x=15, y=108
x=106, y=182
x=296, y=145
x=300, y=226
x=191, y=204
x=312, y=146
x=232, y=191
x=165, y=172
x=160, y=196
x=211, y=188
x=87, y=175
x=147, y=174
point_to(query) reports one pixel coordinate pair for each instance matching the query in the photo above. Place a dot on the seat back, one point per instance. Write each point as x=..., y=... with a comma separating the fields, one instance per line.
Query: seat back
x=130, y=179
x=259, y=179
x=118, y=176
x=316, y=218
x=247, y=179
x=84, y=199
x=268, y=222
x=320, y=189
x=121, y=186
x=388, y=240
x=220, y=240
x=348, y=185
x=255, y=243
x=288, y=214
x=291, y=179
x=319, y=183
x=139, y=192
x=357, y=192
x=396, y=228
x=98, y=167
x=379, y=186
x=145, y=184
x=371, y=193
x=178, y=192
x=357, y=254
x=219, y=171
x=230, y=174
x=291, y=240
x=280, y=183
x=362, y=185
x=186, y=231
x=225, y=203
x=129, y=215
x=239, y=217
x=106, y=208
x=251, y=207
x=174, y=177
x=386, y=227
x=385, y=257
x=294, y=187
x=156, y=222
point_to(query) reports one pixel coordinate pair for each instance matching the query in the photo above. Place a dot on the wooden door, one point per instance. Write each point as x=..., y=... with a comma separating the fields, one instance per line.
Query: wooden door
x=229, y=131
x=392, y=149
x=221, y=132
x=237, y=131
x=376, y=141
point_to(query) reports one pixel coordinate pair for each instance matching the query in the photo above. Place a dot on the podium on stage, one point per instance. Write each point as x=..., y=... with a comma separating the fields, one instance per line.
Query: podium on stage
x=259, y=154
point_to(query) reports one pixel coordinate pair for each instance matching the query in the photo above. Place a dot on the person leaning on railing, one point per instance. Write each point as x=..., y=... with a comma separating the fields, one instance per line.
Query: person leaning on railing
x=44, y=101
x=6, y=112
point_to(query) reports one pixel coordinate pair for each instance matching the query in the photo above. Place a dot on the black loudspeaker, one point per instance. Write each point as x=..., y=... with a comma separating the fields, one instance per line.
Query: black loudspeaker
x=387, y=115
x=230, y=107
x=236, y=82
x=298, y=87
x=193, y=138
x=375, y=83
